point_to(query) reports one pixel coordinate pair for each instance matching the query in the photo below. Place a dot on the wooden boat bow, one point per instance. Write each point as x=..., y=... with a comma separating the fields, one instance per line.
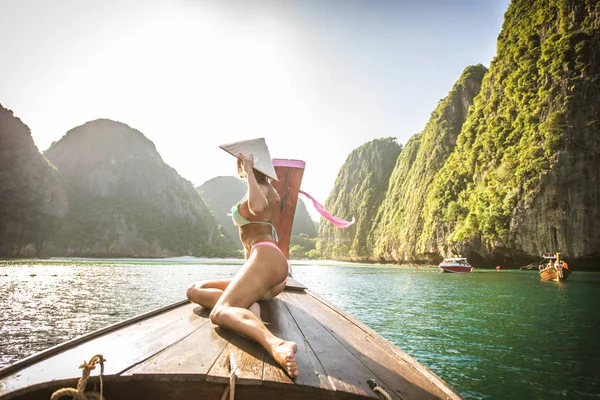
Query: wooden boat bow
x=177, y=353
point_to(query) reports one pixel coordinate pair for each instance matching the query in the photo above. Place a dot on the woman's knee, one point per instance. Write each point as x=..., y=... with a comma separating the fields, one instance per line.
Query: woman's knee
x=189, y=292
x=193, y=289
x=217, y=315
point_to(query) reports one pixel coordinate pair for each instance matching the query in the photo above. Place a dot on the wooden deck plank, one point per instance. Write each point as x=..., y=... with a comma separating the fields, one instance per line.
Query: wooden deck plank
x=283, y=325
x=343, y=369
x=114, y=329
x=122, y=349
x=336, y=354
x=150, y=343
x=272, y=372
x=193, y=355
x=71, y=357
x=248, y=356
x=395, y=369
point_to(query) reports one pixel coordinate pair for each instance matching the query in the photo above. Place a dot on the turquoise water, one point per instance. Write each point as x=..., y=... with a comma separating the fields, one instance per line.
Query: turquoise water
x=491, y=335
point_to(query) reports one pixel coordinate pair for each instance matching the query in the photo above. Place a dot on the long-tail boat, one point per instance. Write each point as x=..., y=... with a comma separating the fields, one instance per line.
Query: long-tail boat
x=552, y=268
x=176, y=352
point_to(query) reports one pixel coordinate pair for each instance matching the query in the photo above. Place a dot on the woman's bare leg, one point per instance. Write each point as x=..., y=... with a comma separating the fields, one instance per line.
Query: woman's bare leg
x=207, y=293
x=255, y=309
x=254, y=282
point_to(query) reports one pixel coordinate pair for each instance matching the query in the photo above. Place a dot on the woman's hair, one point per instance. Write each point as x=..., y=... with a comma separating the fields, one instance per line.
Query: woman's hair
x=242, y=174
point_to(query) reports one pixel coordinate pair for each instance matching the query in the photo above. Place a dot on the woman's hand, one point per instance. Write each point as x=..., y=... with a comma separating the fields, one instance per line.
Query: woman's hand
x=247, y=163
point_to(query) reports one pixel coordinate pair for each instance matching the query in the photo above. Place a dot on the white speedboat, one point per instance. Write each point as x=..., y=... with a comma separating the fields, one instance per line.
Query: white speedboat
x=457, y=265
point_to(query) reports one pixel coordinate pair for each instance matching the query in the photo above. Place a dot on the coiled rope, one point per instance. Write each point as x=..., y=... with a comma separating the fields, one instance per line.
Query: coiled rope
x=79, y=393
x=230, y=389
x=378, y=389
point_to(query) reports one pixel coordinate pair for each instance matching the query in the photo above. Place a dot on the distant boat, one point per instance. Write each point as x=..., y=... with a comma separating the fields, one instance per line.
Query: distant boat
x=457, y=265
x=552, y=268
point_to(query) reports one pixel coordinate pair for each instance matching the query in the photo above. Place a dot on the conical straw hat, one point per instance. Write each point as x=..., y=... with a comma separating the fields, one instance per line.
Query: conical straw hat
x=257, y=148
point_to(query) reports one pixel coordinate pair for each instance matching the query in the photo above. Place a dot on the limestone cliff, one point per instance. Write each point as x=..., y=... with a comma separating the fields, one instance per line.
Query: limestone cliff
x=303, y=224
x=523, y=179
x=358, y=192
x=220, y=194
x=32, y=197
x=125, y=201
x=399, y=220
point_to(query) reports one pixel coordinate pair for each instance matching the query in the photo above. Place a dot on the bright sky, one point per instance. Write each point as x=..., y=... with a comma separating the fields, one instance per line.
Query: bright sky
x=315, y=78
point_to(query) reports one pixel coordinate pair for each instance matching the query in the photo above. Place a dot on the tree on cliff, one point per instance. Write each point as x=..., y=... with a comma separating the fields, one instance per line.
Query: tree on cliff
x=399, y=220
x=32, y=196
x=358, y=191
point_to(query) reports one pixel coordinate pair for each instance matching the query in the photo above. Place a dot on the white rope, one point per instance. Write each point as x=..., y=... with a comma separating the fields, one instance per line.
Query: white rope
x=378, y=389
x=79, y=393
x=230, y=389
x=382, y=393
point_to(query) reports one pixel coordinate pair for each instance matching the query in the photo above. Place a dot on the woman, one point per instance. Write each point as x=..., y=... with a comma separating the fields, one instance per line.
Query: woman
x=262, y=277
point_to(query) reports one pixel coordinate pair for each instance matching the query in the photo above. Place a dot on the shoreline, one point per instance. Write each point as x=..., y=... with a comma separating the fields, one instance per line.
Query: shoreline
x=205, y=260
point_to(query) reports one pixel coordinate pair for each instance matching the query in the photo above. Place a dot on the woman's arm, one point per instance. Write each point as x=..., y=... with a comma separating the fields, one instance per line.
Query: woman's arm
x=257, y=195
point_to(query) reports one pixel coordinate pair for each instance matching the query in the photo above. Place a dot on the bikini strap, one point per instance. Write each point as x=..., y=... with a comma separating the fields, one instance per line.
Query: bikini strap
x=273, y=231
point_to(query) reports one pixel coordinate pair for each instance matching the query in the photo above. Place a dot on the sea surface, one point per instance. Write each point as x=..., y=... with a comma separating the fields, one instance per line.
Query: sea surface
x=489, y=334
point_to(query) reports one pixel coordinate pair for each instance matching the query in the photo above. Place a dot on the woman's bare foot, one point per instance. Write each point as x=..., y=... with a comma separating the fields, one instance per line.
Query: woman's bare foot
x=255, y=309
x=284, y=355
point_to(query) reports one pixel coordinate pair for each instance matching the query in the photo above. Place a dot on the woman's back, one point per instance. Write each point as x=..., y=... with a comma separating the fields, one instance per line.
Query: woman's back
x=253, y=232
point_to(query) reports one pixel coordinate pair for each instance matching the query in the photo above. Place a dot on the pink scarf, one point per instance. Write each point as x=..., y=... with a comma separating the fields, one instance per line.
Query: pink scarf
x=340, y=223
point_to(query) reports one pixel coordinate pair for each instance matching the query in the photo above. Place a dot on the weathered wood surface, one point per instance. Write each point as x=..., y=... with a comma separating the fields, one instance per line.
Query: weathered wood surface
x=393, y=368
x=336, y=356
x=123, y=348
x=288, y=187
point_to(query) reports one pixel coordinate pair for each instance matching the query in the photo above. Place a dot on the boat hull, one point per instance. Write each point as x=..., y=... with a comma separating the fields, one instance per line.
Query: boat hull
x=185, y=388
x=456, y=269
x=177, y=353
x=553, y=274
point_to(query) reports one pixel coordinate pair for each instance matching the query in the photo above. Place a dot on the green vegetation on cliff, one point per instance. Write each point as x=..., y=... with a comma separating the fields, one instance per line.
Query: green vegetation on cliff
x=399, y=220
x=302, y=247
x=303, y=224
x=125, y=201
x=358, y=191
x=539, y=109
x=507, y=166
x=220, y=194
x=32, y=198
